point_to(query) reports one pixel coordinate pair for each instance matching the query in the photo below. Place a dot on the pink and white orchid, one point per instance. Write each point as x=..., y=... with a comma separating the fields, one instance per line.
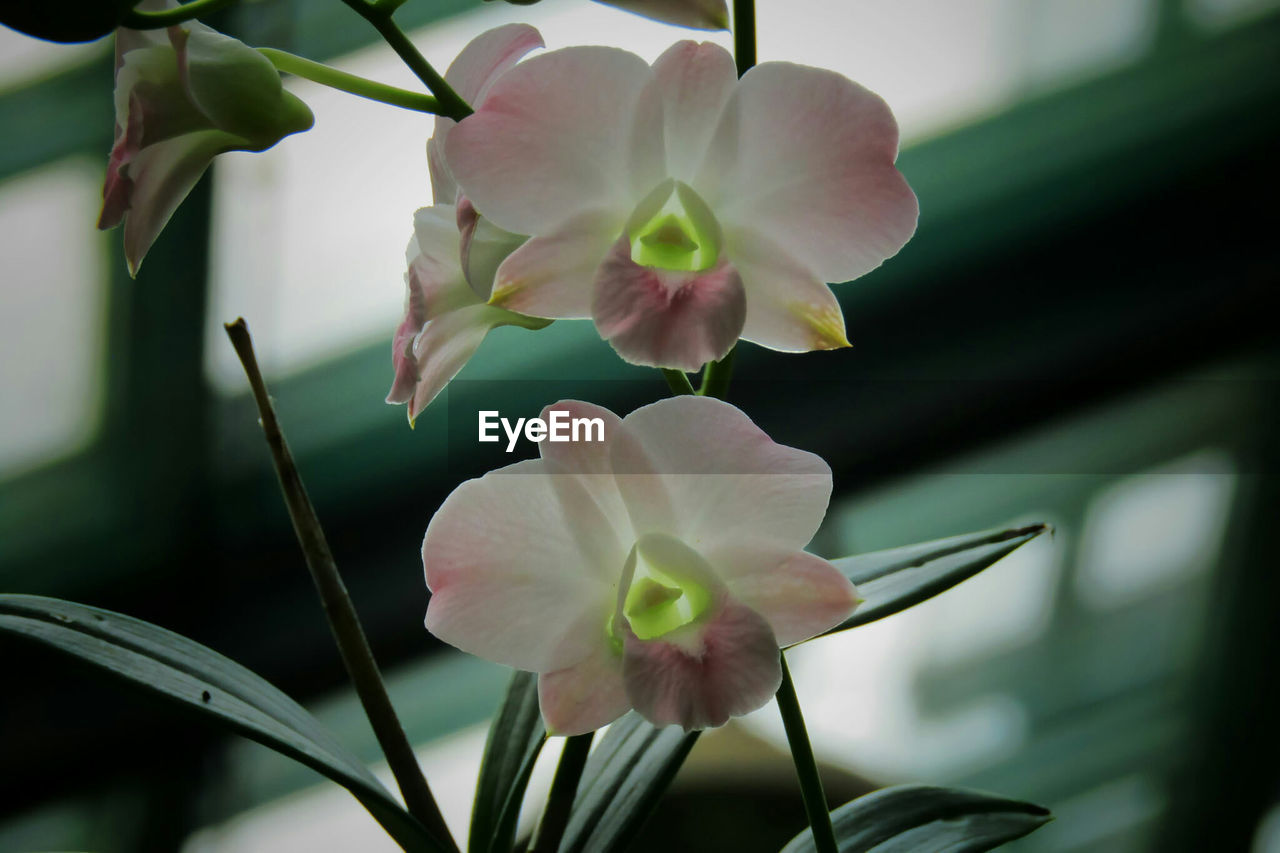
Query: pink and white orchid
x=454, y=253
x=183, y=96
x=695, y=14
x=659, y=569
x=680, y=207
x=445, y=321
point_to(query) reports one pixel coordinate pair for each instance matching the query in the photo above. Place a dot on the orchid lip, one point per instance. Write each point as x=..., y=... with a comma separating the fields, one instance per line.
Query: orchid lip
x=673, y=229
x=666, y=586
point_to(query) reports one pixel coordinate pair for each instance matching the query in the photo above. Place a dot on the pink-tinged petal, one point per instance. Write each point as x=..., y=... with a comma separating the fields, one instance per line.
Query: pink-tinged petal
x=486, y=58
x=552, y=276
x=585, y=696
x=446, y=344
x=789, y=308
x=699, y=469
x=726, y=666
x=444, y=321
x=696, y=82
x=806, y=156
x=800, y=595
x=162, y=175
x=584, y=456
x=117, y=188
x=695, y=14
x=663, y=318
x=544, y=147
x=484, y=246
x=510, y=578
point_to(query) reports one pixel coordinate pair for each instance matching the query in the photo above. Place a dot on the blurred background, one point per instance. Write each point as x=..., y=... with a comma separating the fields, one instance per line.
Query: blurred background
x=1077, y=334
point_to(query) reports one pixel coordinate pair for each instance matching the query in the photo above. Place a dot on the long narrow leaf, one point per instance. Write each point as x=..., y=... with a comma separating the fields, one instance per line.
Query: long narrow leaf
x=515, y=739
x=910, y=818
x=624, y=778
x=204, y=681
x=897, y=578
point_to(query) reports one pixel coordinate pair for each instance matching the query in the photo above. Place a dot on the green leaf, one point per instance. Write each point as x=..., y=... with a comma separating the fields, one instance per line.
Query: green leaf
x=625, y=777
x=515, y=739
x=897, y=578
x=909, y=818
x=204, y=681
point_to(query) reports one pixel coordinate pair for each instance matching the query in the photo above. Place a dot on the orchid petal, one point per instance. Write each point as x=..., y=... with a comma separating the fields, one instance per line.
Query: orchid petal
x=698, y=468
x=800, y=595
x=509, y=576
x=583, y=697
x=552, y=275
x=484, y=246
x=806, y=156
x=162, y=175
x=544, y=147
x=789, y=308
x=662, y=318
x=727, y=666
x=485, y=58
x=696, y=81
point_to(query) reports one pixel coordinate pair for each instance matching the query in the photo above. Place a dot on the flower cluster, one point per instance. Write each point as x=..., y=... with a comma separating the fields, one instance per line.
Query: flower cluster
x=678, y=206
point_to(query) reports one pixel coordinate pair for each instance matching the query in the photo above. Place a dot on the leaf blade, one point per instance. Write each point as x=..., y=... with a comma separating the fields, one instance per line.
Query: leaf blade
x=894, y=579
x=515, y=740
x=908, y=818
x=183, y=671
x=625, y=777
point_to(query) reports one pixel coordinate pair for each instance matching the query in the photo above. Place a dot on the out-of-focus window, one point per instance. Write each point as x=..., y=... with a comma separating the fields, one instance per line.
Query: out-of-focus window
x=52, y=320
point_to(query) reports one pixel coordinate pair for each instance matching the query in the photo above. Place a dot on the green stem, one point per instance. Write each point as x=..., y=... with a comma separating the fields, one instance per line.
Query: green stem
x=815, y=801
x=138, y=20
x=451, y=104
x=563, y=789
x=744, y=34
x=716, y=376
x=326, y=75
x=677, y=381
x=338, y=609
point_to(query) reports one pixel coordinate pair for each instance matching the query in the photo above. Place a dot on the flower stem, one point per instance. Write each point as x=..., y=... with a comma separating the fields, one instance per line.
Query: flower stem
x=744, y=34
x=716, y=376
x=555, y=817
x=815, y=801
x=326, y=75
x=677, y=381
x=338, y=609
x=136, y=19
x=451, y=104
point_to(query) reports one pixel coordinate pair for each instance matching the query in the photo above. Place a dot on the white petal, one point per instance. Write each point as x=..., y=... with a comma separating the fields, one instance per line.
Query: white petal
x=806, y=156
x=696, y=81
x=585, y=696
x=699, y=469
x=544, y=146
x=510, y=579
x=554, y=276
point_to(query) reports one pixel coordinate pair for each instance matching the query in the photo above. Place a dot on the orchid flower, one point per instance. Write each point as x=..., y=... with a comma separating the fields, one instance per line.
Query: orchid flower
x=680, y=207
x=183, y=96
x=445, y=321
x=658, y=569
x=454, y=253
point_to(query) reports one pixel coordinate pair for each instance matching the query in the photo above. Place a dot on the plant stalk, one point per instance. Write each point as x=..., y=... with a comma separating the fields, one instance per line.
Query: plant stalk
x=677, y=381
x=815, y=800
x=451, y=104
x=326, y=75
x=338, y=608
x=139, y=20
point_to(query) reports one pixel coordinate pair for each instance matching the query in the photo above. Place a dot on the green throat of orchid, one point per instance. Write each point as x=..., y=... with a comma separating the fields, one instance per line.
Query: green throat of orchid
x=673, y=229
x=666, y=586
